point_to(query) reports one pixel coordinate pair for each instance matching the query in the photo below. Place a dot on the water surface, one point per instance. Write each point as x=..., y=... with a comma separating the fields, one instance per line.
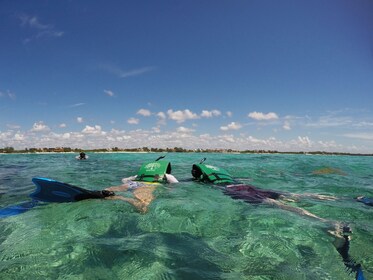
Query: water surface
x=191, y=231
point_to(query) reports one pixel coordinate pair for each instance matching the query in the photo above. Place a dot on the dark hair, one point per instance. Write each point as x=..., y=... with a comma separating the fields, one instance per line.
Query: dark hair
x=196, y=172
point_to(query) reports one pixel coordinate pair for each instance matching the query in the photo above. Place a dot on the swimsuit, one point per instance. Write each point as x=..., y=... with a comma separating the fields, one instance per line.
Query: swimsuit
x=133, y=185
x=250, y=194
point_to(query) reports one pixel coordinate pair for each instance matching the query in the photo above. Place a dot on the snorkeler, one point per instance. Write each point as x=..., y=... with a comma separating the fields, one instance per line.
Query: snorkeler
x=144, y=184
x=82, y=156
x=253, y=195
x=236, y=190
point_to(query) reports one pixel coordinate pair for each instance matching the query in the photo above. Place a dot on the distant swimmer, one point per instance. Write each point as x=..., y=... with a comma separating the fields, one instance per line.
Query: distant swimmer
x=82, y=156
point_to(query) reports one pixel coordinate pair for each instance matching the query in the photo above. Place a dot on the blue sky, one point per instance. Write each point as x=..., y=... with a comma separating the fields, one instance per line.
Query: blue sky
x=276, y=75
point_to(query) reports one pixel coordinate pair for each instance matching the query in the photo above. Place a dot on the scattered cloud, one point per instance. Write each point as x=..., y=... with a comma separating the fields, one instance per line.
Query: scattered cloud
x=136, y=72
x=109, y=92
x=144, y=112
x=181, y=116
x=231, y=126
x=263, y=117
x=79, y=119
x=39, y=127
x=8, y=94
x=96, y=130
x=76, y=105
x=13, y=126
x=360, y=135
x=62, y=125
x=183, y=129
x=19, y=137
x=286, y=125
x=210, y=114
x=304, y=141
x=40, y=30
x=161, y=118
x=133, y=121
x=126, y=74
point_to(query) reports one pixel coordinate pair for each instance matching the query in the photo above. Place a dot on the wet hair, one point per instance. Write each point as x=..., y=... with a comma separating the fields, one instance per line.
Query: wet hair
x=196, y=172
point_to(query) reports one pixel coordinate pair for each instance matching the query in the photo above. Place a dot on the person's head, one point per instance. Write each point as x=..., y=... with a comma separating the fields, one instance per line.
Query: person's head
x=196, y=172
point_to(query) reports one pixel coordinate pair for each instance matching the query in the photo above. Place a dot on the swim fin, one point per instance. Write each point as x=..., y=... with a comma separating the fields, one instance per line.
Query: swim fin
x=49, y=190
x=17, y=209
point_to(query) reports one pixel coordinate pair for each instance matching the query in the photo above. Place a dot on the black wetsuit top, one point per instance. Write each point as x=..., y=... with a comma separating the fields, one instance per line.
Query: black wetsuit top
x=250, y=194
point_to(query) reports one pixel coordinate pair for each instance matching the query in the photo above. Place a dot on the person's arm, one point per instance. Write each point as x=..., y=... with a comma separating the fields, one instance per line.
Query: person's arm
x=171, y=179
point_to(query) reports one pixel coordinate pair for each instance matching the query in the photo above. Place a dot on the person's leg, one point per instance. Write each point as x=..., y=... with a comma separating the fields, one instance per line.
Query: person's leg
x=135, y=202
x=293, y=209
x=145, y=195
x=120, y=188
x=312, y=195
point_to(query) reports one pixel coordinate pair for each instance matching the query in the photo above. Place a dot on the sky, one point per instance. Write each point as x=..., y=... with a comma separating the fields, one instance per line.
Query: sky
x=284, y=75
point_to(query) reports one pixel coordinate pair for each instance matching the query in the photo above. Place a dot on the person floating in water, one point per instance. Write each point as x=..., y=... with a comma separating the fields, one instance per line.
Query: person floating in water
x=82, y=156
x=143, y=185
x=253, y=195
x=248, y=193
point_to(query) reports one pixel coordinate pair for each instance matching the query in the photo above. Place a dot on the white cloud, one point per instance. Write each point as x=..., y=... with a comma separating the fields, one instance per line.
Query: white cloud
x=19, y=136
x=261, y=116
x=136, y=72
x=231, y=126
x=125, y=74
x=39, y=126
x=13, y=126
x=79, y=119
x=8, y=94
x=181, y=116
x=93, y=130
x=161, y=118
x=229, y=114
x=304, y=140
x=76, y=105
x=109, y=92
x=40, y=30
x=66, y=135
x=133, y=121
x=210, y=114
x=183, y=129
x=62, y=125
x=286, y=125
x=144, y=112
x=360, y=135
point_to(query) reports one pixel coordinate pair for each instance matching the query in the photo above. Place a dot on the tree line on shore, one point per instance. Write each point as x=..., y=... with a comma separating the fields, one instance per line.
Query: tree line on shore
x=11, y=150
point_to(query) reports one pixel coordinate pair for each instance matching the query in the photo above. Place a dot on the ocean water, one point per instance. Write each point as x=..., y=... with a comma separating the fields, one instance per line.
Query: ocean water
x=192, y=230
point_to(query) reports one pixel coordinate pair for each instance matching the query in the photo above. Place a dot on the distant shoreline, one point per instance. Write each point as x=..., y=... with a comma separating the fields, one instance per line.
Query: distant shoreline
x=10, y=150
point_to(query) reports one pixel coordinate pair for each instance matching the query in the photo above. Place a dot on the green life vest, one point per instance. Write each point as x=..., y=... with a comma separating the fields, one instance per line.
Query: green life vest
x=212, y=174
x=154, y=171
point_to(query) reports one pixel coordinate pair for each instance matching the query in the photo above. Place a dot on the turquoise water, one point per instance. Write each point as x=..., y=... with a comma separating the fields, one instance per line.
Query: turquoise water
x=191, y=231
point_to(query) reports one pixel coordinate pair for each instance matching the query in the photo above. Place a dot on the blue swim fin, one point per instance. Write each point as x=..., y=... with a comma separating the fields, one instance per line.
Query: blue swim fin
x=17, y=209
x=49, y=190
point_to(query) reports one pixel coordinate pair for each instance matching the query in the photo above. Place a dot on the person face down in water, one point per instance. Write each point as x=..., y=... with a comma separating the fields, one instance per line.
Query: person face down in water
x=255, y=195
x=143, y=192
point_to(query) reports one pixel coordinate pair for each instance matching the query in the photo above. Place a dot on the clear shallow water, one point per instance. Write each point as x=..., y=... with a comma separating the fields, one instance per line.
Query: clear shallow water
x=191, y=231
